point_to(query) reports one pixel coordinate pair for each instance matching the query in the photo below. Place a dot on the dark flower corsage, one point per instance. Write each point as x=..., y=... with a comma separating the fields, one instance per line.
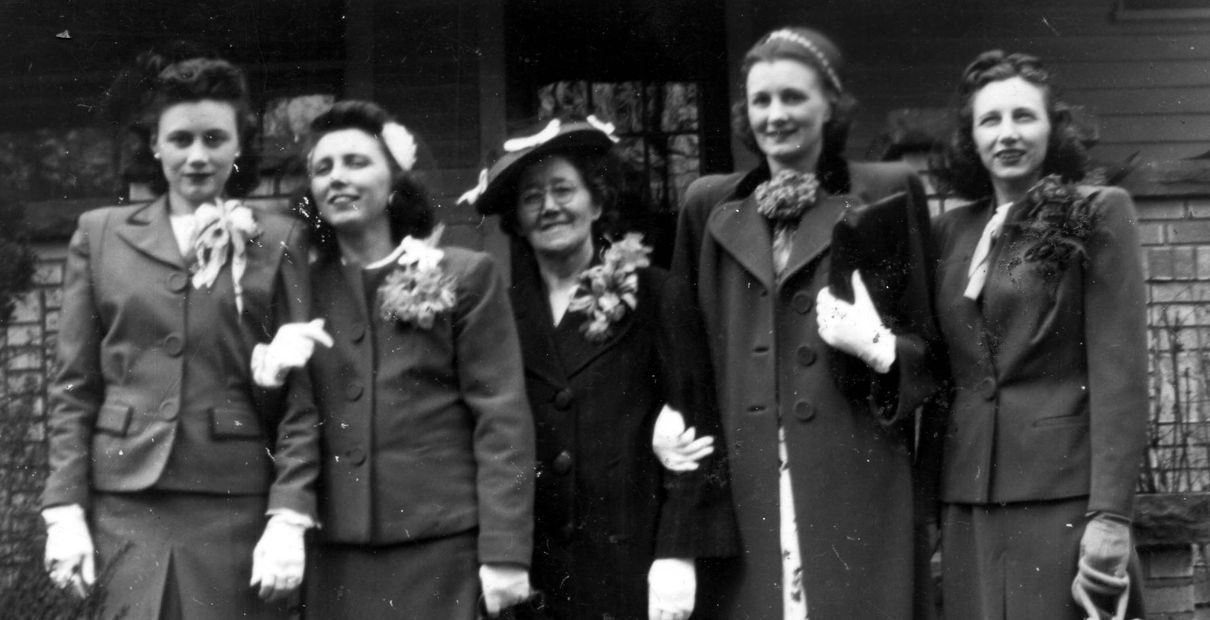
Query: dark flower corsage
x=609, y=290
x=417, y=290
x=786, y=196
x=1057, y=222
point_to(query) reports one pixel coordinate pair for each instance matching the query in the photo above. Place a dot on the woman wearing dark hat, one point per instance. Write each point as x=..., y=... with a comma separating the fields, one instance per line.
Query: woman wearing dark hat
x=1041, y=303
x=195, y=486
x=819, y=444
x=426, y=491
x=615, y=537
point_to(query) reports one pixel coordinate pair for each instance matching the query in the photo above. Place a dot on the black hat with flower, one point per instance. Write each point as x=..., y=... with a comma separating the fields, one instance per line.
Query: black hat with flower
x=496, y=193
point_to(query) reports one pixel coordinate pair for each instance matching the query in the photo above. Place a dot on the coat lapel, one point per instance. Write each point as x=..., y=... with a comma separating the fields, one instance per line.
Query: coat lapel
x=814, y=233
x=532, y=312
x=149, y=231
x=741, y=230
x=577, y=350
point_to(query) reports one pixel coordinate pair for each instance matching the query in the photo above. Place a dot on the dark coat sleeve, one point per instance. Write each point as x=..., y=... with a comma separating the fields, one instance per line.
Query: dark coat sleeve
x=1115, y=324
x=698, y=517
x=77, y=389
x=493, y=387
x=296, y=440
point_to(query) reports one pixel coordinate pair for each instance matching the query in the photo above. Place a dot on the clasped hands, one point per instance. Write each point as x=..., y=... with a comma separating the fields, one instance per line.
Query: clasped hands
x=291, y=347
x=855, y=328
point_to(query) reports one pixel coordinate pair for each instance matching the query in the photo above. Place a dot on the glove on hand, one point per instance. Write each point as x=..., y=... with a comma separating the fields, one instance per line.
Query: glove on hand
x=292, y=346
x=504, y=585
x=856, y=328
x=70, y=556
x=672, y=586
x=280, y=557
x=675, y=446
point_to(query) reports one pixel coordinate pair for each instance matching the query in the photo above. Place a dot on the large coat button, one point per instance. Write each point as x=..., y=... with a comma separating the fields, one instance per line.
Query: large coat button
x=562, y=463
x=802, y=302
x=354, y=390
x=987, y=387
x=804, y=410
x=564, y=399
x=806, y=355
x=174, y=345
x=170, y=409
x=357, y=331
x=178, y=281
x=356, y=456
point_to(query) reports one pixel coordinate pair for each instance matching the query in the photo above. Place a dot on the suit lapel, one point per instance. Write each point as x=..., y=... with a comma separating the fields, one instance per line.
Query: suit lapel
x=744, y=234
x=532, y=311
x=577, y=350
x=814, y=233
x=148, y=230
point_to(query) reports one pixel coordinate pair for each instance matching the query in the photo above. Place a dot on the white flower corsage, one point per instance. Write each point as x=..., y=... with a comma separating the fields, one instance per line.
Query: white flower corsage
x=417, y=290
x=223, y=229
x=609, y=290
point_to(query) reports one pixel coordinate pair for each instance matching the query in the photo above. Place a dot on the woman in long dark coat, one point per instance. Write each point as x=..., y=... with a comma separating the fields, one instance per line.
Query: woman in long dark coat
x=609, y=521
x=1041, y=304
x=822, y=476
x=426, y=491
x=160, y=445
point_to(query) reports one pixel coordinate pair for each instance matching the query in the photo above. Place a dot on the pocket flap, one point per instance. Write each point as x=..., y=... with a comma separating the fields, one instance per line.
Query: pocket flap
x=114, y=419
x=234, y=423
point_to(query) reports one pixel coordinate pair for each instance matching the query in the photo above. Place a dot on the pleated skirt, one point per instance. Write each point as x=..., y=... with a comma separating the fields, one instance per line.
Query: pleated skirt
x=1014, y=561
x=435, y=578
x=179, y=556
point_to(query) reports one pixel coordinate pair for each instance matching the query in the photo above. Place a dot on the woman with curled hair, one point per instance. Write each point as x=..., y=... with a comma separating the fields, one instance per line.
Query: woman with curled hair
x=426, y=490
x=1041, y=304
x=812, y=395
x=615, y=536
x=194, y=485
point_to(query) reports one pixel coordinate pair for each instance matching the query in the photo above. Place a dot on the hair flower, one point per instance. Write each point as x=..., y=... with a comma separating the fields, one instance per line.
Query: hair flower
x=1058, y=221
x=417, y=290
x=222, y=231
x=609, y=290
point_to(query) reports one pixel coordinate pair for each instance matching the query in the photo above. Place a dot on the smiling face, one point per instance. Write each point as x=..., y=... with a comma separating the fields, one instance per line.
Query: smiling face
x=555, y=209
x=787, y=108
x=197, y=143
x=1011, y=131
x=351, y=180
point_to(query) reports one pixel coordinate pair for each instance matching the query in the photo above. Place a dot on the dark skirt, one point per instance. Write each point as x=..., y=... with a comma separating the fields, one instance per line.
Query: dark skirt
x=168, y=555
x=1008, y=561
x=436, y=578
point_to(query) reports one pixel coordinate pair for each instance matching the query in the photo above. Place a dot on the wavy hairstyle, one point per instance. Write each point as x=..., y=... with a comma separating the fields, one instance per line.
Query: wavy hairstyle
x=958, y=167
x=823, y=57
x=408, y=208
x=181, y=72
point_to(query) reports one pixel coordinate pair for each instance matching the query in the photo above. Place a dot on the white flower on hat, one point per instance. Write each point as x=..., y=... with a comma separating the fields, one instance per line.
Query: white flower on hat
x=520, y=144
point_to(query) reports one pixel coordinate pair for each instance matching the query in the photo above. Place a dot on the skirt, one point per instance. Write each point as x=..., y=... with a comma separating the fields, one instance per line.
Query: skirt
x=1009, y=561
x=436, y=578
x=188, y=556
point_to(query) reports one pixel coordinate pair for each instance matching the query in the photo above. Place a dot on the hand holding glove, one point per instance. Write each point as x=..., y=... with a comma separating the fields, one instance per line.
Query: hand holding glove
x=1101, y=584
x=504, y=585
x=280, y=557
x=856, y=328
x=672, y=586
x=291, y=347
x=70, y=556
x=676, y=447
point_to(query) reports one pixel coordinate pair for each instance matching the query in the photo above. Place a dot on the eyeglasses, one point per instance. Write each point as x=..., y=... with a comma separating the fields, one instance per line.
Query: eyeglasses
x=533, y=198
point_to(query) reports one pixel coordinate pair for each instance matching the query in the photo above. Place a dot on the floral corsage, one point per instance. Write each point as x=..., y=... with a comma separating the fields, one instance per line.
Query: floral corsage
x=417, y=290
x=609, y=290
x=1057, y=221
x=222, y=229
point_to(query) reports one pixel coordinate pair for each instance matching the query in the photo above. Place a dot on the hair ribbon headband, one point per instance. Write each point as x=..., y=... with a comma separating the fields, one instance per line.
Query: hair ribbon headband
x=794, y=37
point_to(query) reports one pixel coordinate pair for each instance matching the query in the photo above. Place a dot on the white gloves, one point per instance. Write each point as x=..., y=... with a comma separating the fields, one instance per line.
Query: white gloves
x=1101, y=577
x=70, y=556
x=675, y=446
x=856, y=328
x=292, y=346
x=504, y=585
x=672, y=586
x=280, y=557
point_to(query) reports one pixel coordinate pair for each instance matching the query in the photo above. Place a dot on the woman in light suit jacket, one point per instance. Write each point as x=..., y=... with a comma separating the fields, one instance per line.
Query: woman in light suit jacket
x=819, y=447
x=426, y=491
x=1041, y=304
x=161, y=449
